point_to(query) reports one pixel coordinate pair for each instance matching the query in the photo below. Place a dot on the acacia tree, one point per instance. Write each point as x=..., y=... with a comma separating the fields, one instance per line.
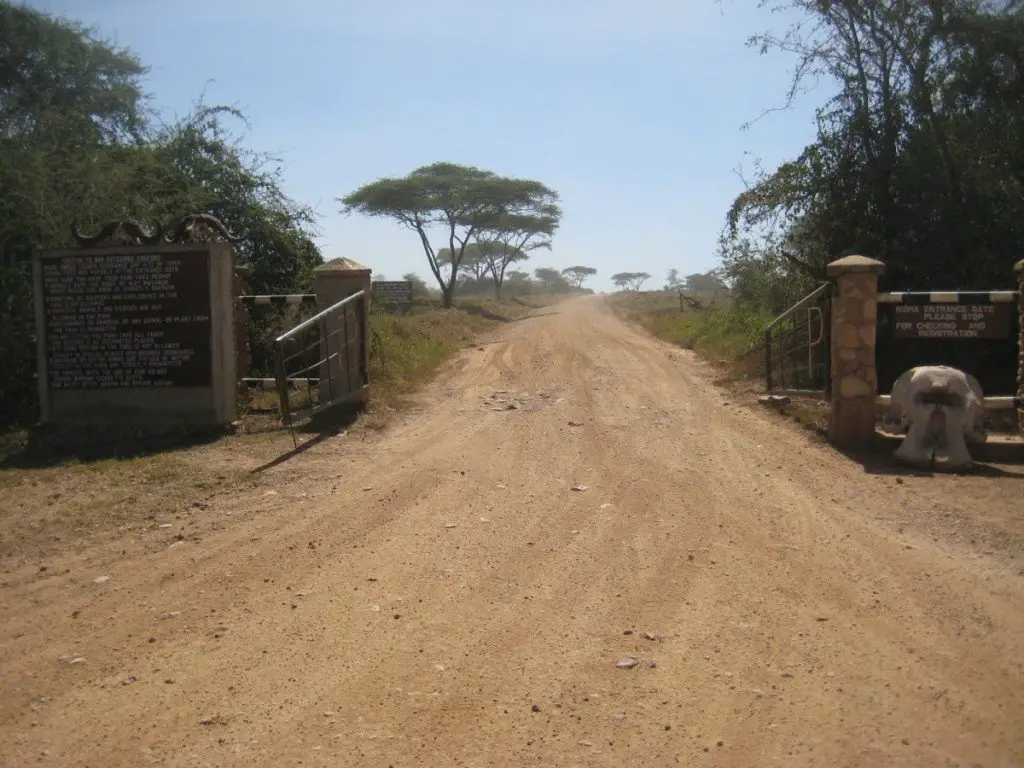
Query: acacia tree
x=499, y=256
x=456, y=199
x=551, y=280
x=576, y=275
x=672, y=281
x=473, y=260
x=476, y=262
x=630, y=280
x=510, y=237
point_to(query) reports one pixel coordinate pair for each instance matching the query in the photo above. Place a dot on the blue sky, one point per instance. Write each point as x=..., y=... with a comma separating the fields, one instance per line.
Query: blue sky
x=631, y=109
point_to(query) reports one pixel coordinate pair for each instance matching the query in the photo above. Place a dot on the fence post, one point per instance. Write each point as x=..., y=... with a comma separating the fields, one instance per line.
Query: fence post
x=1018, y=269
x=243, y=352
x=335, y=280
x=854, y=324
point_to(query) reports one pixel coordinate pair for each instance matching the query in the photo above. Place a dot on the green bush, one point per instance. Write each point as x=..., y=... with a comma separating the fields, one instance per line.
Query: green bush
x=722, y=334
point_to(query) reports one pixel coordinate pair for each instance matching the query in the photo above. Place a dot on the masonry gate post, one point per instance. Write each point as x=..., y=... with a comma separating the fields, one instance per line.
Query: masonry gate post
x=854, y=376
x=335, y=280
x=1019, y=270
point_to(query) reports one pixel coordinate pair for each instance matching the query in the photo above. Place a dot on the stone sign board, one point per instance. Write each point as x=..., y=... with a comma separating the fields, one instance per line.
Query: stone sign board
x=136, y=335
x=953, y=321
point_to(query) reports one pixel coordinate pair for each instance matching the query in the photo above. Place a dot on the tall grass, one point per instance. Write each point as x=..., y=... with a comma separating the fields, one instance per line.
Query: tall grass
x=722, y=331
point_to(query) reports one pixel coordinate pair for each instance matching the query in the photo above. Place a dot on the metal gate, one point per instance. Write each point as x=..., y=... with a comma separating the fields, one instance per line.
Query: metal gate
x=796, y=347
x=330, y=348
x=266, y=317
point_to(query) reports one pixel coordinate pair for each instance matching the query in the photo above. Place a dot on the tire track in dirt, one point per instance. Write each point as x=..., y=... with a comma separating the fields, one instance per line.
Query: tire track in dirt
x=432, y=612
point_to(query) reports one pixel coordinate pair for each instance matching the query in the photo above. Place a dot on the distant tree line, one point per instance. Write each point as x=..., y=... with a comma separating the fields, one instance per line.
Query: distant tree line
x=516, y=282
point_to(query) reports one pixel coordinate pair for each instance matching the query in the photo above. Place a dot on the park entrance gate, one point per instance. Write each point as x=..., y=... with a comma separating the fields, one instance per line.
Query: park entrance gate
x=797, y=347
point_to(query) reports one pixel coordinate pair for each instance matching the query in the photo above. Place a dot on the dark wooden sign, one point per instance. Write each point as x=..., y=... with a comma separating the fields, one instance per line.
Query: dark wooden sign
x=397, y=292
x=953, y=321
x=127, y=319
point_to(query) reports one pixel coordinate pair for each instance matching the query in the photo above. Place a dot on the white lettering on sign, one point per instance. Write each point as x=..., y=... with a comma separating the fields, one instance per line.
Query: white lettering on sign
x=127, y=320
x=952, y=321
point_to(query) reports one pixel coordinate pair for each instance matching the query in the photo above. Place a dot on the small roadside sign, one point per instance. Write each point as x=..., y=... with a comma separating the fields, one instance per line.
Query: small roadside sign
x=393, y=293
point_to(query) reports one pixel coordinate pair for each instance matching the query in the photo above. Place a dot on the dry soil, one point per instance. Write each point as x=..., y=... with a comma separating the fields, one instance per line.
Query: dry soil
x=574, y=551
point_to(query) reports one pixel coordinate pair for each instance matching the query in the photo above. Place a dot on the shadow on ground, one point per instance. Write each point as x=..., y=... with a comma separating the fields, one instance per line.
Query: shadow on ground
x=487, y=314
x=43, y=447
x=996, y=458
x=321, y=427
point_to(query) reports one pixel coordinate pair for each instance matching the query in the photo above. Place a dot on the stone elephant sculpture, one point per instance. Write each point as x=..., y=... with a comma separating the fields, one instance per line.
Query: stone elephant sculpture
x=939, y=408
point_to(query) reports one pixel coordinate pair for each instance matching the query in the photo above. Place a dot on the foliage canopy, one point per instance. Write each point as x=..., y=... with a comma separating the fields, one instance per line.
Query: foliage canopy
x=919, y=157
x=458, y=200
x=77, y=142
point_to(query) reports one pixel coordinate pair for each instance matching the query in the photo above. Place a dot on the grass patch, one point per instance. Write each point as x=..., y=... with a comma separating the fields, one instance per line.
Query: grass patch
x=720, y=331
x=407, y=350
x=726, y=335
x=40, y=507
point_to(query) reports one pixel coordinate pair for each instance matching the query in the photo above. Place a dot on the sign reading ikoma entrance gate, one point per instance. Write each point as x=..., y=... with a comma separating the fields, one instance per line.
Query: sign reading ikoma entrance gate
x=136, y=335
x=952, y=321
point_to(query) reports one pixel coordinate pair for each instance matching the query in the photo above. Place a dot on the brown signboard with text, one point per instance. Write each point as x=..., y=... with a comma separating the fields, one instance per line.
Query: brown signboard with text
x=127, y=319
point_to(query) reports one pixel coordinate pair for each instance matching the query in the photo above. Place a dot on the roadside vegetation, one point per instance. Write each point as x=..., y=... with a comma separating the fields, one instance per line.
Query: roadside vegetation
x=695, y=312
x=80, y=145
x=715, y=327
x=917, y=160
x=407, y=350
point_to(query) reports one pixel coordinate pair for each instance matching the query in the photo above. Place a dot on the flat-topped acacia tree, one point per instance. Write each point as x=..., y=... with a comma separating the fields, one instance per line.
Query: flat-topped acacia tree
x=576, y=275
x=456, y=200
x=473, y=261
x=630, y=280
x=510, y=237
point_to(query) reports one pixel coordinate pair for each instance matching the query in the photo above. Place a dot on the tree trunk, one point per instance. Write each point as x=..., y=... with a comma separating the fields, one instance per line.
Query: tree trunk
x=449, y=295
x=499, y=278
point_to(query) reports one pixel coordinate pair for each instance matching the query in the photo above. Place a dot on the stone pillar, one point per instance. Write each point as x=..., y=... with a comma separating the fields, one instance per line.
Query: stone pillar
x=335, y=280
x=854, y=377
x=1019, y=270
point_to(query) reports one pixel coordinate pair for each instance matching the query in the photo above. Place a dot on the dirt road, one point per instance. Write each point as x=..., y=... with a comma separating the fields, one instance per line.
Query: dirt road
x=437, y=594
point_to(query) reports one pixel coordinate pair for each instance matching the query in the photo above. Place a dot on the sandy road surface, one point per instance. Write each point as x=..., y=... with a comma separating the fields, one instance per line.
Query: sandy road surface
x=439, y=596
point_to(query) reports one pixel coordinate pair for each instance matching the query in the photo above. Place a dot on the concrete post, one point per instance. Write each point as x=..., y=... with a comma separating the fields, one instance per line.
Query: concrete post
x=854, y=377
x=1019, y=271
x=335, y=280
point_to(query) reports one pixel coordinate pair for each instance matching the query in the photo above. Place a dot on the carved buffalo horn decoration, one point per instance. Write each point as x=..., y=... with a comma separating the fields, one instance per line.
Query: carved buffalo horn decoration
x=119, y=232
x=194, y=227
